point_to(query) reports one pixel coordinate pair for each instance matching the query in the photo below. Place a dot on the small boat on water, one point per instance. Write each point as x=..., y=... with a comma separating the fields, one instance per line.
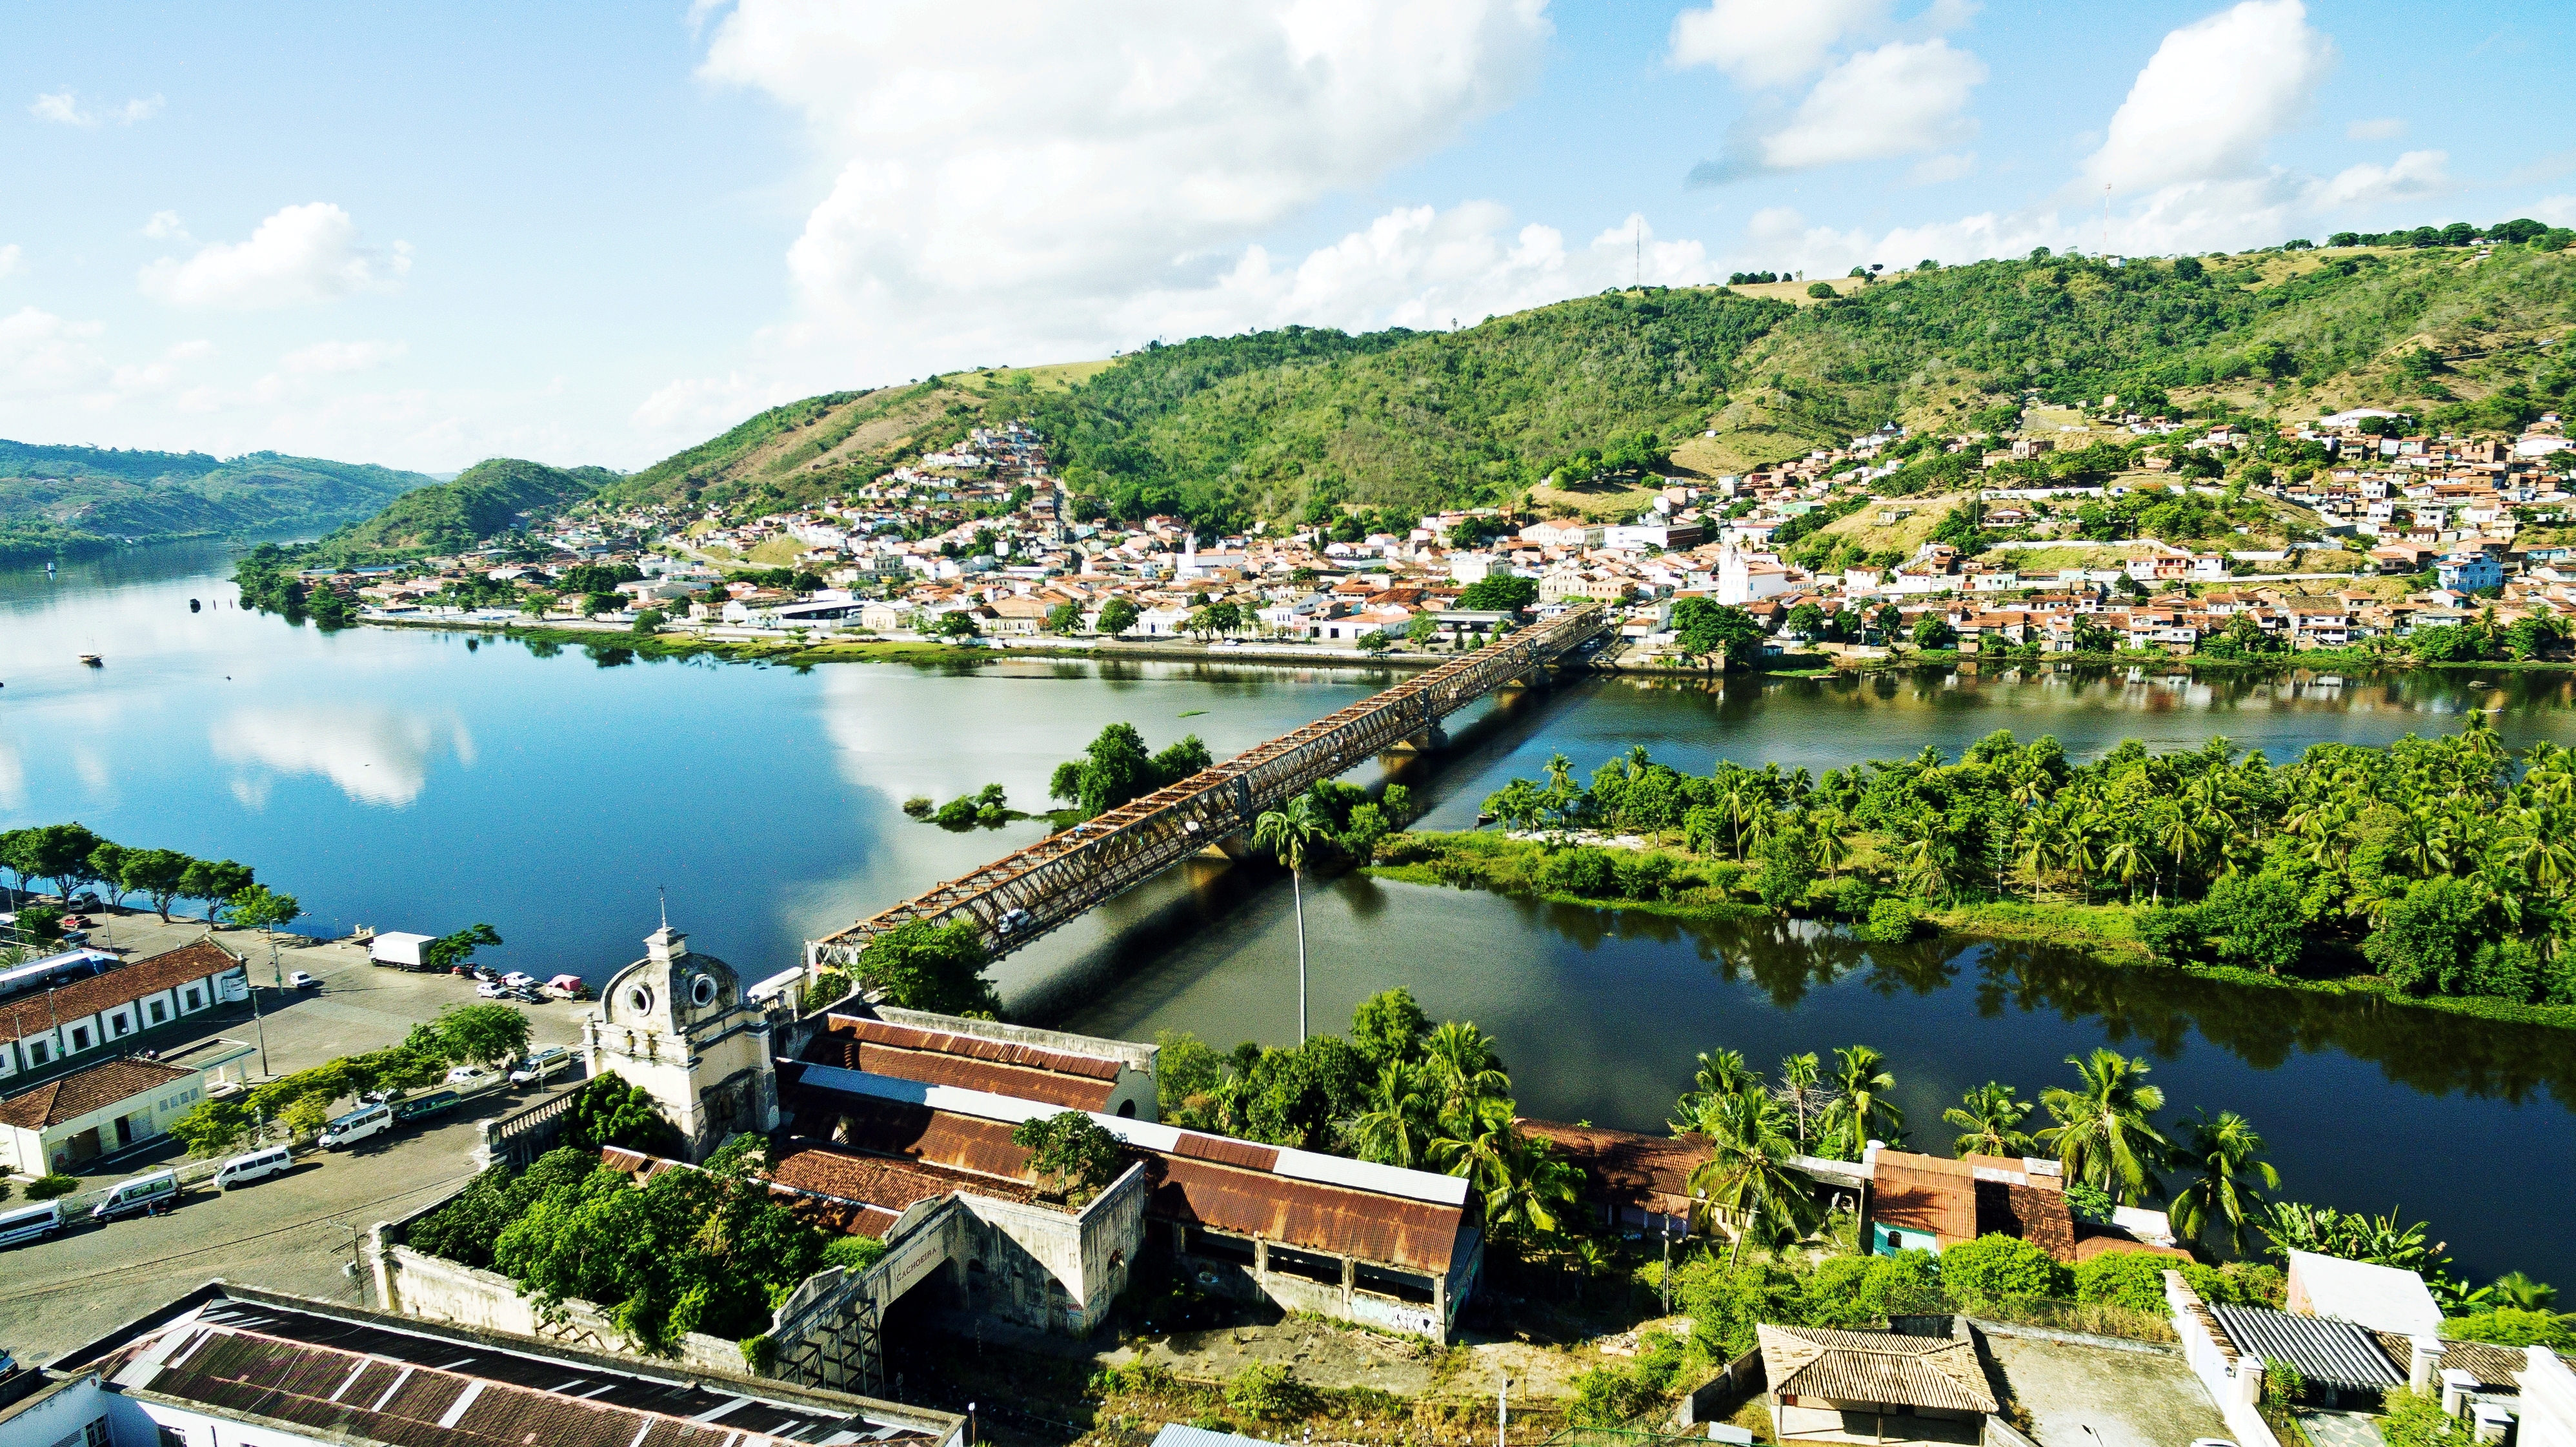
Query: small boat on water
x=92, y=660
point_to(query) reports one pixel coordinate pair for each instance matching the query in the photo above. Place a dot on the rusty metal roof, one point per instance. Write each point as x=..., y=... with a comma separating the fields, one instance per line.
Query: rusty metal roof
x=999, y=1067
x=367, y=1379
x=973, y=1047
x=1193, y=1181
x=1624, y=1167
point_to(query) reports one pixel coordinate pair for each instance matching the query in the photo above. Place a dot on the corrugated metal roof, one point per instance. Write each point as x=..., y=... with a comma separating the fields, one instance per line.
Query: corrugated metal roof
x=1874, y=1366
x=2322, y=1348
x=1624, y=1167
x=373, y=1383
x=975, y=1047
x=1232, y=1152
x=1181, y=1434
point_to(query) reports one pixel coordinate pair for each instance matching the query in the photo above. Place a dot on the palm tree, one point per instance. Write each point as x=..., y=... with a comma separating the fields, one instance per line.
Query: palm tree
x=2102, y=1134
x=2520, y=1292
x=2223, y=1151
x=1396, y=1128
x=1288, y=833
x=1746, y=1181
x=1801, y=1095
x=1832, y=850
x=1462, y=1072
x=1863, y=1112
x=1991, y=1117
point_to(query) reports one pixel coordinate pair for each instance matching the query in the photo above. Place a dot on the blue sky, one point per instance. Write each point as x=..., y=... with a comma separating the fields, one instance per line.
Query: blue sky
x=590, y=233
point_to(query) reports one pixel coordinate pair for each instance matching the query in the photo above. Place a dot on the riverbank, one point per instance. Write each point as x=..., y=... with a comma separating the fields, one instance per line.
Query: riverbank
x=1689, y=887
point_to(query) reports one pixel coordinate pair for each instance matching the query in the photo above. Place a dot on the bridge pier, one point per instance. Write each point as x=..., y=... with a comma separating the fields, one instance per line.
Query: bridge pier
x=1430, y=739
x=1233, y=848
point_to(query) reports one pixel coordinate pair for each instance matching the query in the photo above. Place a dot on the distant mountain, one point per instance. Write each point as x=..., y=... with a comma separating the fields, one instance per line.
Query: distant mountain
x=485, y=501
x=76, y=501
x=1701, y=380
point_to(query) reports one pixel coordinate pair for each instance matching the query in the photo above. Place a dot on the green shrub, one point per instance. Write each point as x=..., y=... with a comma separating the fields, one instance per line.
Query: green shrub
x=1851, y=896
x=2514, y=1327
x=2134, y=1279
x=2414, y=1419
x=1608, y=1396
x=1268, y=1391
x=854, y=1254
x=919, y=806
x=1995, y=1267
x=1891, y=921
x=1583, y=872
x=828, y=988
x=46, y=1187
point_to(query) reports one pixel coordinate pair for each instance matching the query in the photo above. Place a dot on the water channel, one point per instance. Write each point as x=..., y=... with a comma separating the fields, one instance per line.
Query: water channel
x=422, y=780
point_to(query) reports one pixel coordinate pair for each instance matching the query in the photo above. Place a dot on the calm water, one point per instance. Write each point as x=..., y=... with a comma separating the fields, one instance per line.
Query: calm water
x=425, y=781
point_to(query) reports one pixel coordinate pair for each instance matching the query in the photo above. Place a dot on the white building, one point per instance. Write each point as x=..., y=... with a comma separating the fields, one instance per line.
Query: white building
x=37, y=1030
x=1744, y=577
x=64, y=1124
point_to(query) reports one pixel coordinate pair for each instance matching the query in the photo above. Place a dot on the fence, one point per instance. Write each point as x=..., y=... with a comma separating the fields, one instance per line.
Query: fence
x=518, y=1138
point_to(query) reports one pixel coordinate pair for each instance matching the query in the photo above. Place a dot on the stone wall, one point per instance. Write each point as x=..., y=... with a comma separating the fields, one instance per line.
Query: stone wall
x=415, y=1284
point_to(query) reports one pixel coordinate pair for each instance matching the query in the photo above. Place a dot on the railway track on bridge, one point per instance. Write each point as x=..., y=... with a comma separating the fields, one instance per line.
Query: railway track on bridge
x=1025, y=895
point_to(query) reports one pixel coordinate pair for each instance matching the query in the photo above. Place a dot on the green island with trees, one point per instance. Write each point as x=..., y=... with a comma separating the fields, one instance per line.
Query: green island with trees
x=2437, y=871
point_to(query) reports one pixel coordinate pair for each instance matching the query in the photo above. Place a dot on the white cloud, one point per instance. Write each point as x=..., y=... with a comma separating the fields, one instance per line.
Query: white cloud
x=2383, y=128
x=1765, y=42
x=302, y=253
x=701, y=405
x=1897, y=100
x=1011, y=184
x=2211, y=98
x=375, y=755
x=43, y=355
x=2414, y=175
x=164, y=226
x=342, y=356
x=12, y=260
x=63, y=108
x=2556, y=210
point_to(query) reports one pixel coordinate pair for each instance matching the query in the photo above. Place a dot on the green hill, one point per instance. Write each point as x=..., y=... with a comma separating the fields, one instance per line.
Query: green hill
x=485, y=501
x=1297, y=421
x=75, y=501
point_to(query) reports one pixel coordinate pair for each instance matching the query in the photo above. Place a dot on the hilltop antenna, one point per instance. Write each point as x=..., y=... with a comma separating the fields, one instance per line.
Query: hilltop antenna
x=664, y=896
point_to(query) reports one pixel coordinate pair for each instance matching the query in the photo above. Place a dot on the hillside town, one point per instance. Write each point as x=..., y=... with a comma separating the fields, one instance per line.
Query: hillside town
x=2395, y=532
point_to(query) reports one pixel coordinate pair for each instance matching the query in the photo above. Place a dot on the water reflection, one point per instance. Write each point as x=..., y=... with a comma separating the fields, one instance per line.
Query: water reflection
x=375, y=755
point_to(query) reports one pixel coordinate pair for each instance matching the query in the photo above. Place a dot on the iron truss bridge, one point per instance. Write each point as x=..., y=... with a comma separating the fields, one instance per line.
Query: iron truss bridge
x=1023, y=896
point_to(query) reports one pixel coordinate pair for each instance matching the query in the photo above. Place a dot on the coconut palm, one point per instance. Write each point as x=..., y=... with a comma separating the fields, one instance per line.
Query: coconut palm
x=1862, y=1112
x=1288, y=833
x=1989, y=1117
x=2103, y=1135
x=1802, y=1096
x=2520, y=1292
x=1462, y=1072
x=1832, y=849
x=2224, y=1153
x=1396, y=1128
x=1721, y=1072
x=1746, y=1182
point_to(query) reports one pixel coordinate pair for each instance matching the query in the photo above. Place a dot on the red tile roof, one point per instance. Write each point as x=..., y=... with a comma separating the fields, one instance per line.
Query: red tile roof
x=126, y=983
x=76, y=1095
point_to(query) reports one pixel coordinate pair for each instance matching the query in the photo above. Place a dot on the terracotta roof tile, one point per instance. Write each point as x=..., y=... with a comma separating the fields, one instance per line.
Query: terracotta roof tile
x=1874, y=1366
x=167, y=970
x=100, y=1086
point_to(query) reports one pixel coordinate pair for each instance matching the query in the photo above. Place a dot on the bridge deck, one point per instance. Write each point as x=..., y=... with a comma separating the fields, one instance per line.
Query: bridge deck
x=1030, y=892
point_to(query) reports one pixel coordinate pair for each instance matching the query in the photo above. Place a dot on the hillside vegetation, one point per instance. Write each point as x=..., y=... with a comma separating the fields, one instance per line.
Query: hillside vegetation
x=1590, y=393
x=485, y=501
x=79, y=501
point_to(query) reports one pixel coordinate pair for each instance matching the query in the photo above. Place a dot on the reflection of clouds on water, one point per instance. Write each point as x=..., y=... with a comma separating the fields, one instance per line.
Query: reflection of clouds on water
x=376, y=755
x=13, y=778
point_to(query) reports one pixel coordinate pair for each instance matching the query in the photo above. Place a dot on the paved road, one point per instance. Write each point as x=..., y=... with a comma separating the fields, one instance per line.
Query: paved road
x=287, y=1233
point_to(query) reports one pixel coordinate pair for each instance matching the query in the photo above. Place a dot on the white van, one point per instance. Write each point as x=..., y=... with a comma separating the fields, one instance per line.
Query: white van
x=31, y=1223
x=152, y=1194
x=541, y=1062
x=357, y=1125
x=258, y=1165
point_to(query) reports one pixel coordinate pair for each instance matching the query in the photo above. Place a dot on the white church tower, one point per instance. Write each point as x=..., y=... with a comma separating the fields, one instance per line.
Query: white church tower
x=677, y=1024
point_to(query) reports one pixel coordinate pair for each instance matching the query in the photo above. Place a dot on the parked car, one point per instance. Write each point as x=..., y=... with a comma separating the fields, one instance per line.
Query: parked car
x=541, y=1062
x=145, y=1195
x=518, y=980
x=258, y=1165
x=31, y=1223
x=468, y=1075
x=77, y=921
x=357, y=1125
x=421, y=1106
x=487, y=990
x=302, y=981
x=85, y=902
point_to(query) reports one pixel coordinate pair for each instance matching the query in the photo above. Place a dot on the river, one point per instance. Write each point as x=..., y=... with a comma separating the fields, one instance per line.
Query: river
x=421, y=780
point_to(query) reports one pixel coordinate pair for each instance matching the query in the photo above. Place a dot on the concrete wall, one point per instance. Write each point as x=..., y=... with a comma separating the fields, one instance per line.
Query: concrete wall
x=413, y=1283
x=1056, y=1271
x=2548, y=1401
x=2234, y=1379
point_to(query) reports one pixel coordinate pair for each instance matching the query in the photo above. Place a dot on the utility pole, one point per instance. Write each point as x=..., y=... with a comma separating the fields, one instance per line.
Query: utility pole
x=258, y=1021
x=1502, y=1412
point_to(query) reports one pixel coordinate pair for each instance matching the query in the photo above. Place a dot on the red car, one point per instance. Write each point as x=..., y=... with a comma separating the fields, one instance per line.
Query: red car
x=76, y=921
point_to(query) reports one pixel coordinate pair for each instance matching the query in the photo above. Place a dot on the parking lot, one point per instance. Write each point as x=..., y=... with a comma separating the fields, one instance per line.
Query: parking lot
x=289, y=1232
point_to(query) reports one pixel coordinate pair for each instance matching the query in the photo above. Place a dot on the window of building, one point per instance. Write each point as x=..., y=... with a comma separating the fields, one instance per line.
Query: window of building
x=38, y=1052
x=159, y=1012
x=80, y=1037
x=192, y=998
x=118, y=1025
